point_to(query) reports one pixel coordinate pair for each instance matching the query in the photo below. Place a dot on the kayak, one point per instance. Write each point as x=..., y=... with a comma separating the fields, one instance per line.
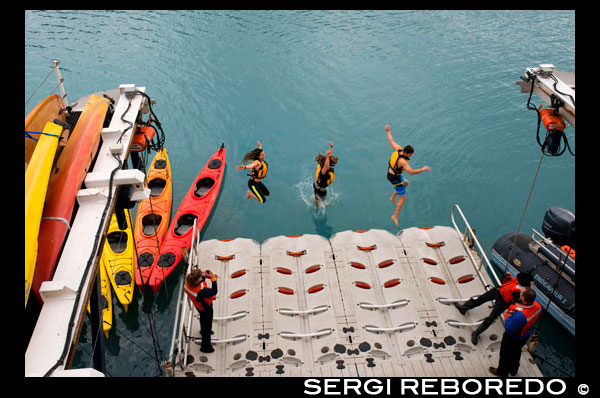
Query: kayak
x=196, y=205
x=105, y=301
x=153, y=214
x=36, y=186
x=47, y=110
x=118, y=257
x=71, y=168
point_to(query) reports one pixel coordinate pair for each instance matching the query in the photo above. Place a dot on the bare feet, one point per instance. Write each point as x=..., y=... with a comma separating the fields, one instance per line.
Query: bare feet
x=393, y=199
x=247, y=194
x=395, y=220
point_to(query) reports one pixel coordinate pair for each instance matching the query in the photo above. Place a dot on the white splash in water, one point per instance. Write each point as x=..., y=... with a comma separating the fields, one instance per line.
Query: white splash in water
x=306, y=193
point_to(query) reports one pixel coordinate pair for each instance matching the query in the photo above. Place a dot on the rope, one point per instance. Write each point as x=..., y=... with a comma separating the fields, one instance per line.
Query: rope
x=524, y=211
x=28, y=135
x=44, y=81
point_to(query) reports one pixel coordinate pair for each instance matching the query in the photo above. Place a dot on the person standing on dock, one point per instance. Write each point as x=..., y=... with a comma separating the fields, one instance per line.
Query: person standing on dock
x=504, y=295
x=202, y=296
x=518, y=324
x=397, y=164
x=258, y=171
x=325, y=174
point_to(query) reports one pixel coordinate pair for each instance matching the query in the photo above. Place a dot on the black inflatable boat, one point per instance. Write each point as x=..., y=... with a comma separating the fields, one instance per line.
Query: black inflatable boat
x=549, y=258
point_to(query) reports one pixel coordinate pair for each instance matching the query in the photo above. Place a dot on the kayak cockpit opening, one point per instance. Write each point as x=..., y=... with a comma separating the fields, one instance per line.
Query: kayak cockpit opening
x=203, y=186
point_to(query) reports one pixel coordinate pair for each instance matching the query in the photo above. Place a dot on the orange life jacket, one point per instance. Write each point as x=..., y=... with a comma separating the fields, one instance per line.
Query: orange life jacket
x=531, y=312
x=192, y=293
x=508, y=288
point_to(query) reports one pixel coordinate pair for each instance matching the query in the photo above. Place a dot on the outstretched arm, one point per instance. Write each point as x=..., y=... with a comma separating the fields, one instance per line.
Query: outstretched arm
x=327, y=165
x=391, y=140
x=259, y=144
x=412, y=171
x=249, y=166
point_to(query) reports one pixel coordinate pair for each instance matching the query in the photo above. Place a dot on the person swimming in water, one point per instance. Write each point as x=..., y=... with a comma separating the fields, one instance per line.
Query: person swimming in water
x=325, y=174
x=258, y=170
x=397, y=164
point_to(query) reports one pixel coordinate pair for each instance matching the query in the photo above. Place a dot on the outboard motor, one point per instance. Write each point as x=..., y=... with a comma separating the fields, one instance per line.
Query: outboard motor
x=559, y=225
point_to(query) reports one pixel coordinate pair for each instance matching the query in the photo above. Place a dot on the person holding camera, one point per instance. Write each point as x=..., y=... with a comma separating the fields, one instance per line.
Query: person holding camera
x=197, y=289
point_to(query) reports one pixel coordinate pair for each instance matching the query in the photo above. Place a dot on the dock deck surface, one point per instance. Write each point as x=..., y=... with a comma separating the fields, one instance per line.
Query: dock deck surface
x=360, y=304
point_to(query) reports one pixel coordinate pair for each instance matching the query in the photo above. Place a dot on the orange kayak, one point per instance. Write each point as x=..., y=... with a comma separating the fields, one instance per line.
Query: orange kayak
x=153, y=214
x=71, y=168
x=46, y=111
x=196, y=205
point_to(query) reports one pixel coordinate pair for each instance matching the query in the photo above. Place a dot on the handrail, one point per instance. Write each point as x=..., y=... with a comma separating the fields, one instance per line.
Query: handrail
x=315, y=310
x=184, y=299
x=481, y=253
x=375, y=329
x=320, y=333
x=457, y=323
x=549, y=242
x=369, y=306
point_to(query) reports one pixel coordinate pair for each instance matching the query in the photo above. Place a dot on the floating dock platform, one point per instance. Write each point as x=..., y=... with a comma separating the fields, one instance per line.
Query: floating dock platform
x=360, y=304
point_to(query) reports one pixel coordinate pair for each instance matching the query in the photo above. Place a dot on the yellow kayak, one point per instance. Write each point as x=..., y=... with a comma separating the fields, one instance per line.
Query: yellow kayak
x=37, y=176
x=119, y=259
x=106, y=303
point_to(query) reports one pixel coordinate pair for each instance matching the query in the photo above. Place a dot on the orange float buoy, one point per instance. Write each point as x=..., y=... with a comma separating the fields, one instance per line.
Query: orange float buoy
x=283, y=270
x=360, y=231
x=437, y=280
x=296, y=254
x=429, y=261
x=226, y=240
x=293, y=236
x=385, y=263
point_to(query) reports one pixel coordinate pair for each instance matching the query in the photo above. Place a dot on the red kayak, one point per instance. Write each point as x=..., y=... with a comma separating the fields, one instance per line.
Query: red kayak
x=196, y=205
x=71, y=169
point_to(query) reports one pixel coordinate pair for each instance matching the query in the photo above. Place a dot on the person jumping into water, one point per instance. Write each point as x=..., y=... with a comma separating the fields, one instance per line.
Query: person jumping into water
x=397, y=164
x=325, y=174
x=259, y=168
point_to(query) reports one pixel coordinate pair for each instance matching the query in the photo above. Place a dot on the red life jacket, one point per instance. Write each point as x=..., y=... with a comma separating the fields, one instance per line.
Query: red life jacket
x=531, y=312
x=507, y=289
x=192, y=293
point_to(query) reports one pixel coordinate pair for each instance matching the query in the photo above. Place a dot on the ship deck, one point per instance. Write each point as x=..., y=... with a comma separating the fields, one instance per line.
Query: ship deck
x=360, y=304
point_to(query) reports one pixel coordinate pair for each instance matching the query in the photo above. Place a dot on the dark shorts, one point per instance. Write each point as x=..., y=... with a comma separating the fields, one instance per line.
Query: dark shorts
x=398, y=182
x=258, y=189
x=319, y=191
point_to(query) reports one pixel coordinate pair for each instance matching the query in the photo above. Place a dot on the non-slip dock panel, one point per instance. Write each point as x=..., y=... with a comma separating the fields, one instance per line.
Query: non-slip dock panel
x=361, y=304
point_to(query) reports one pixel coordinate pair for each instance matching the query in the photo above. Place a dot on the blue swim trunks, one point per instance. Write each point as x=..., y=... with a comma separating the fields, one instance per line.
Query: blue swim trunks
x=398, y=183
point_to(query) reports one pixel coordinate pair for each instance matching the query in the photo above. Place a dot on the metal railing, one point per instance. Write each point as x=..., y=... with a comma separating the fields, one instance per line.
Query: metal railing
x=475, y=243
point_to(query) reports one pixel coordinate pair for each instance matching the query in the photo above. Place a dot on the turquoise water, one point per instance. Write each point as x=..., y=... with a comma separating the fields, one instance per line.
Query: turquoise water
x=295, y=80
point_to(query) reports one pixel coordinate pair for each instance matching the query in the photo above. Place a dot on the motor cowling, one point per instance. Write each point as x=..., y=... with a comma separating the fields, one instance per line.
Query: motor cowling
x=559, y=225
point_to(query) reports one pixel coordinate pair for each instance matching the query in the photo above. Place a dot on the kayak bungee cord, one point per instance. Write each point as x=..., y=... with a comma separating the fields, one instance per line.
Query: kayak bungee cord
x=93, y=253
